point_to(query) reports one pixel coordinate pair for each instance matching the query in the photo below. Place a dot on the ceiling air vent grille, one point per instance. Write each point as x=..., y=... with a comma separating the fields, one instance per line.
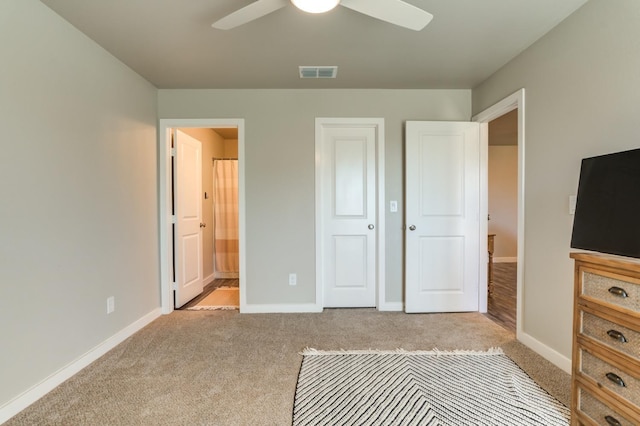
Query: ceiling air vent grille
x=318, y=72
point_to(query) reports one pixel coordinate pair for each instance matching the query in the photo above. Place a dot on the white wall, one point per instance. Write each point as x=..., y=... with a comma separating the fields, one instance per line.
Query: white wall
x=280, y=185
x=582, y=82
x=503, y=200
x=78, y=216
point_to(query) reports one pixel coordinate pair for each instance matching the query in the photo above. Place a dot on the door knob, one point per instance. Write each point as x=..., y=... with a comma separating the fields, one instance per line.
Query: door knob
x=203, y=225
x=370, y=226
x=412, y=228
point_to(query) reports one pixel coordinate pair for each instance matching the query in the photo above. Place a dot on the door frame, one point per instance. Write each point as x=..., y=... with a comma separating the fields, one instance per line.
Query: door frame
x=514, y=101
x=378, y=124
x=164, y=193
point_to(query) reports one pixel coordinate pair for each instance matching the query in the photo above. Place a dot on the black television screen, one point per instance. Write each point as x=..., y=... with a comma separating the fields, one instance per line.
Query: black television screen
x=607, y=215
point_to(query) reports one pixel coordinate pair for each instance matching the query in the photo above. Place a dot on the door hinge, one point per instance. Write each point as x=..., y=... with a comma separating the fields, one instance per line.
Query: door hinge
x=174, y=286
x=173, y=219
x=173, y=152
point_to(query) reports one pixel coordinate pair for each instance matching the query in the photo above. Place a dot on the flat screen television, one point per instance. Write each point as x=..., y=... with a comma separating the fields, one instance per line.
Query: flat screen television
x=607, y=215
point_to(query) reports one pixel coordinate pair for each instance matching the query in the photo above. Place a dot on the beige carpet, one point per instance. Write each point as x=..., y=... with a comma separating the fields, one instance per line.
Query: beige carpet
x=220, y=299
x=226, y=368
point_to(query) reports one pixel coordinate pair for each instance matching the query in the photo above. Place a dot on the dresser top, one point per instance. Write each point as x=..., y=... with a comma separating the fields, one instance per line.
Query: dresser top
x=608, y=260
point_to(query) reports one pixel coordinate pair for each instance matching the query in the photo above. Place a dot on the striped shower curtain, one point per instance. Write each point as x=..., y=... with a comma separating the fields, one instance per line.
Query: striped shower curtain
x=225, y=218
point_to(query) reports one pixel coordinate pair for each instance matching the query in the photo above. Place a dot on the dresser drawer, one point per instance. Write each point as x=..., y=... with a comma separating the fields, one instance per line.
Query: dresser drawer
x=599, y=412
x=624, y=294
x=610, y=377
x=620, y=338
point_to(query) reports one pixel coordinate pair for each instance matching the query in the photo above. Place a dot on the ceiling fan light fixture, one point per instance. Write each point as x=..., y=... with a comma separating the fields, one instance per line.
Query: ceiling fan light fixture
x=315, y=6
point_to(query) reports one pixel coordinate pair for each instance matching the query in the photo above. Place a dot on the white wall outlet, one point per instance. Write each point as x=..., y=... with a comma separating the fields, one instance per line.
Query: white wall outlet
x=293, y=279
x=111, y=304
x=393, y=206
x=572, y=204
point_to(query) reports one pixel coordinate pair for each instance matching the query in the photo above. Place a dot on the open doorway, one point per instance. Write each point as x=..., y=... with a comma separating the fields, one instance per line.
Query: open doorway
x=219, y=206
x=512, y=108
x=230, y=134
x=502, y=185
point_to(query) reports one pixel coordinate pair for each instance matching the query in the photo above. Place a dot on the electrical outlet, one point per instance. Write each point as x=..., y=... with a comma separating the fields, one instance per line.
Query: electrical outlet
x=111, y=304
x=293, y=279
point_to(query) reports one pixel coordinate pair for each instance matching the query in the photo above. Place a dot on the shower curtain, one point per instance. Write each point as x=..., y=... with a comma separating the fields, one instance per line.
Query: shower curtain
x=225, y=218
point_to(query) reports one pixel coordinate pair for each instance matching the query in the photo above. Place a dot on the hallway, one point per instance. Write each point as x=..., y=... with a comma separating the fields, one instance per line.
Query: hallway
x=501, y=306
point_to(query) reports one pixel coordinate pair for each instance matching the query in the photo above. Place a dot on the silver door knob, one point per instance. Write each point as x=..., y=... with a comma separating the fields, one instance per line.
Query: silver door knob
x=370, y=226
x=412, y=228
x=203, y=225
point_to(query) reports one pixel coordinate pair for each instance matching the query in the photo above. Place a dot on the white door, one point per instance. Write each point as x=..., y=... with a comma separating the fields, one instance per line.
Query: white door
x=187, y=190
x=442, y=165
x=348, y=209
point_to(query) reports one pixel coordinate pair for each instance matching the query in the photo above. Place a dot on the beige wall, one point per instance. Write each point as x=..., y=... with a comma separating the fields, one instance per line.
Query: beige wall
x=503, y=199
x=280, y=161
x=79, y=210
x=231, y=148
x=582, y=82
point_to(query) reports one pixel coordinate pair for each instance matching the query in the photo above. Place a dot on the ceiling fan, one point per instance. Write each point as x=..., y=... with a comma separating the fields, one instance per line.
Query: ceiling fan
x=396, y=12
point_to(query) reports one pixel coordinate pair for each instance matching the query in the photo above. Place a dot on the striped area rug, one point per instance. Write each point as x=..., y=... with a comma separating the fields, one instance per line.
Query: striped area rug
x=420, y=388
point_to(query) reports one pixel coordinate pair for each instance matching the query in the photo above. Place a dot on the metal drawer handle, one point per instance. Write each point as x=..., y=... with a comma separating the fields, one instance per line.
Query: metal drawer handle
x=616, y=379
x=612, y=421
x=616, y=335
x=617, y=291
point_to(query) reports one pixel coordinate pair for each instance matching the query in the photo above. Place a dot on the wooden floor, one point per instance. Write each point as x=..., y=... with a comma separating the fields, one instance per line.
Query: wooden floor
x=210, y=287
x=501, y=307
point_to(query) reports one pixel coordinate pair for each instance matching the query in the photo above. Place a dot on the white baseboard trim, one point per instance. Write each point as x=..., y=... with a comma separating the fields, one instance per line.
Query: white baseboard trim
x=226, y=275
x=30, y=396
x=207, y=280
x=391, y=307
x=548, y=353
x=505, y=259
x=280, y=308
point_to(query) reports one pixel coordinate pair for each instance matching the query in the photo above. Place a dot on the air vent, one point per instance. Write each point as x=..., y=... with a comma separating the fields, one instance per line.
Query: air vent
x=318, y=72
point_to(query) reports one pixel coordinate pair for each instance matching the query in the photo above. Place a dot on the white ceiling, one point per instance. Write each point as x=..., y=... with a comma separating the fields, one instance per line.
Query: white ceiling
x=171, y=42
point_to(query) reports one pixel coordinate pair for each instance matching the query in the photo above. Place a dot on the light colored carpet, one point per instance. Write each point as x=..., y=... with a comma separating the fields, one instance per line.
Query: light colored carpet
x=220, y=299
x=226, y=368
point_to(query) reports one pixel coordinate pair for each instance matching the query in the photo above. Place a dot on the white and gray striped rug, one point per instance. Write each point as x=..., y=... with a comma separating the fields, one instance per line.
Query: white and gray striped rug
x=420, y=388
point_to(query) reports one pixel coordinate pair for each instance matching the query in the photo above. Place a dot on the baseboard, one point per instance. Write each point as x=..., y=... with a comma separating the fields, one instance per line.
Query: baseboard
x=208, y=279
x=505, y=259
x=30, y=396
x=305, y=308
x=391, y=307
x=549, y=354
x=279, y=308
x=226, y=275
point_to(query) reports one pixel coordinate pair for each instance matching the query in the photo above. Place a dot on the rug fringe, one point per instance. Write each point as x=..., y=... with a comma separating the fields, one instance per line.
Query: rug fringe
x=435, y=351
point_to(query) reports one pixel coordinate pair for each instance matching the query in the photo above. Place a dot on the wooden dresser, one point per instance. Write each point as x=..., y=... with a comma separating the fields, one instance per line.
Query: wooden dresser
x=605, y=381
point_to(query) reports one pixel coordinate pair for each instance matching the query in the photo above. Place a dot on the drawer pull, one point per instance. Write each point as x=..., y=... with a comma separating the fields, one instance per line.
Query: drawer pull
x=616, y=379
x=617, y=291
x=616, y=335
x=612, y=421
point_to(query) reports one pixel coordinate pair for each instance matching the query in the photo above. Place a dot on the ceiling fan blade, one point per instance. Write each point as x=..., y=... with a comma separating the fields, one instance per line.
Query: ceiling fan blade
x=248, y=13
x=393, y=11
